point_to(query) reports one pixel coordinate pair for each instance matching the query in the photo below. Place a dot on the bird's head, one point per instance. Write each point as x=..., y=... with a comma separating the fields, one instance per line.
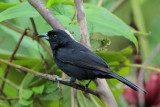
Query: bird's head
x=57, y=38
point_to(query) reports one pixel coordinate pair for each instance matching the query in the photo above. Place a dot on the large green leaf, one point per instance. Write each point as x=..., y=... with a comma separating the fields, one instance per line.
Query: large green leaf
x=21, y=10
x=107, y=23
x=6, y=5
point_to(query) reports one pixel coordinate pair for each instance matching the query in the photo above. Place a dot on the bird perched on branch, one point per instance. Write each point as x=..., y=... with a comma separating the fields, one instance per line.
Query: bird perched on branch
x=79, y=62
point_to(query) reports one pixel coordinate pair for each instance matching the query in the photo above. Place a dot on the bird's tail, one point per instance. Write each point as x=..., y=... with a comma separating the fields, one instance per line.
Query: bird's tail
x=127, y=82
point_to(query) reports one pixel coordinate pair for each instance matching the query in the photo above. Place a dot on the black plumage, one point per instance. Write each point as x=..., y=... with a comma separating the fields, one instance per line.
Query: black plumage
x=79, y=62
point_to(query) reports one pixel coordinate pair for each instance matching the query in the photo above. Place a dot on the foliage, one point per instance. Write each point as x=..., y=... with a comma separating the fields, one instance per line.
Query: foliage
x=106, y=30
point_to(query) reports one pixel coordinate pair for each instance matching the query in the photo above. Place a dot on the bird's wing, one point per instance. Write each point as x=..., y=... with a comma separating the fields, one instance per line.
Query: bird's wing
x=87, y=60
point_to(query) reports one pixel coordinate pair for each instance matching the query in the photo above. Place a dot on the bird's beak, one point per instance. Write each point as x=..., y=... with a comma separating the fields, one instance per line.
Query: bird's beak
x=45, y=35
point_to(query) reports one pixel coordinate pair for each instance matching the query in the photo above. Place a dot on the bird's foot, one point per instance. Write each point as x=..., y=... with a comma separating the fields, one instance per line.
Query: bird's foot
x=72, y=80
x=61, y=79
x=86, y=86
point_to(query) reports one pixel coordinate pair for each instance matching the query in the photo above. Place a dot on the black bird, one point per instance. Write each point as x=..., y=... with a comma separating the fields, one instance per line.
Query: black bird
x=79, y=62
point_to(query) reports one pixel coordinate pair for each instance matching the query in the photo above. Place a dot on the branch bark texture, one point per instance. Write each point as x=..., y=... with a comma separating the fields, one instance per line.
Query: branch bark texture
x=46, y=14
x=53, y=78
x=83, y=31
x=102, y=87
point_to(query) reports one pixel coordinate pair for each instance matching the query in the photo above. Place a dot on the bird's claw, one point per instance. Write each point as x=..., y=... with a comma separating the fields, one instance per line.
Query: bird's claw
x=58, y=86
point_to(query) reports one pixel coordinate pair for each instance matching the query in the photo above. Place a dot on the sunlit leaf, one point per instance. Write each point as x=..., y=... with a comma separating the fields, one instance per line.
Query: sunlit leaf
x=27, y=94
x=38, y=90
x=25, y=102
x=21, y=10
x=107, y=23
x=7, y=5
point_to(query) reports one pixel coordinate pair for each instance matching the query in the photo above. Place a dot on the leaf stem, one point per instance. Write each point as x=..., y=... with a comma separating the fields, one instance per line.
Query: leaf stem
x=142, y=66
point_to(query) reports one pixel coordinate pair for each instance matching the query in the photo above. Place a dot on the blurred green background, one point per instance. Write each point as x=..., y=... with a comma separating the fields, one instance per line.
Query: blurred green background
x=117, y=30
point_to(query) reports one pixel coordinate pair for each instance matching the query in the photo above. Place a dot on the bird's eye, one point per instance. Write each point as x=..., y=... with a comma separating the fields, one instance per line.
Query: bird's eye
x=54, y=36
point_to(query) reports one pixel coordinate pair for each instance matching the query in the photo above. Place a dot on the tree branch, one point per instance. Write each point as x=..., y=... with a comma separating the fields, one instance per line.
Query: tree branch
x=53, y=78
x=46, y=14
x=141, y=98
x=30, y=33
x=100, y=2
x=83, y=31
x=11, y=58
x=9, y=82
x=102, y=87
x=34, y=26
x=8, y=99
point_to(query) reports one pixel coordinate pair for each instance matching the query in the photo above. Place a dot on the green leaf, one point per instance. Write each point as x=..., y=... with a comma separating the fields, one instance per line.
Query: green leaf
x=50, y=97
x=21, y=10
x=7, y=5
x=111, y=56
x=126, y=51
x=107, y=23
x=50, y=87
x=27, y=94
x=63, y=19
x=38, y=90
x=25, y=102
x=57, y=9
x=65, y=101
x=50, y=2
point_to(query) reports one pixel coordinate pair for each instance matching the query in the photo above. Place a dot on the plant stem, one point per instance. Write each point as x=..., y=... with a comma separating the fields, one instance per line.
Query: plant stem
x=11, y=57
x=53, y=78
x=140, y=23
x=9, y=82
x=142, y=66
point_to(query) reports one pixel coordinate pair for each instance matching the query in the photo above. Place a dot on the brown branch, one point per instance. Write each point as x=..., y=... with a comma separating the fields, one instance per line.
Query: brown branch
x=74, y=97
x=44, y=63
x=142, y=72
x=11, y=58
x=83, y=31
x=34, y=26
x=30, y=33
x=100, y=3
x=102, y=87
x=53, y=78
x=117, y=5
x=15, y=28
x=9, y=102
x=73, y=16
x=46, y=14
x=8, y=99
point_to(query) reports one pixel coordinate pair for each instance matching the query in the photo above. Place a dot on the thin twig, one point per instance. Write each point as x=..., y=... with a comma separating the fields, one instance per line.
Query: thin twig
x=30, y=33
x=9, y=102
x=141, y=75
x=8, y=99
x=46, y=14
x=142, y=66
x=44, y=63
x=73, y=16
x=9, y=82
x=100, y=3
x=51, y=78
x=34, y=26
x=117, y=5
x=17, y=29
x=11, y=58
